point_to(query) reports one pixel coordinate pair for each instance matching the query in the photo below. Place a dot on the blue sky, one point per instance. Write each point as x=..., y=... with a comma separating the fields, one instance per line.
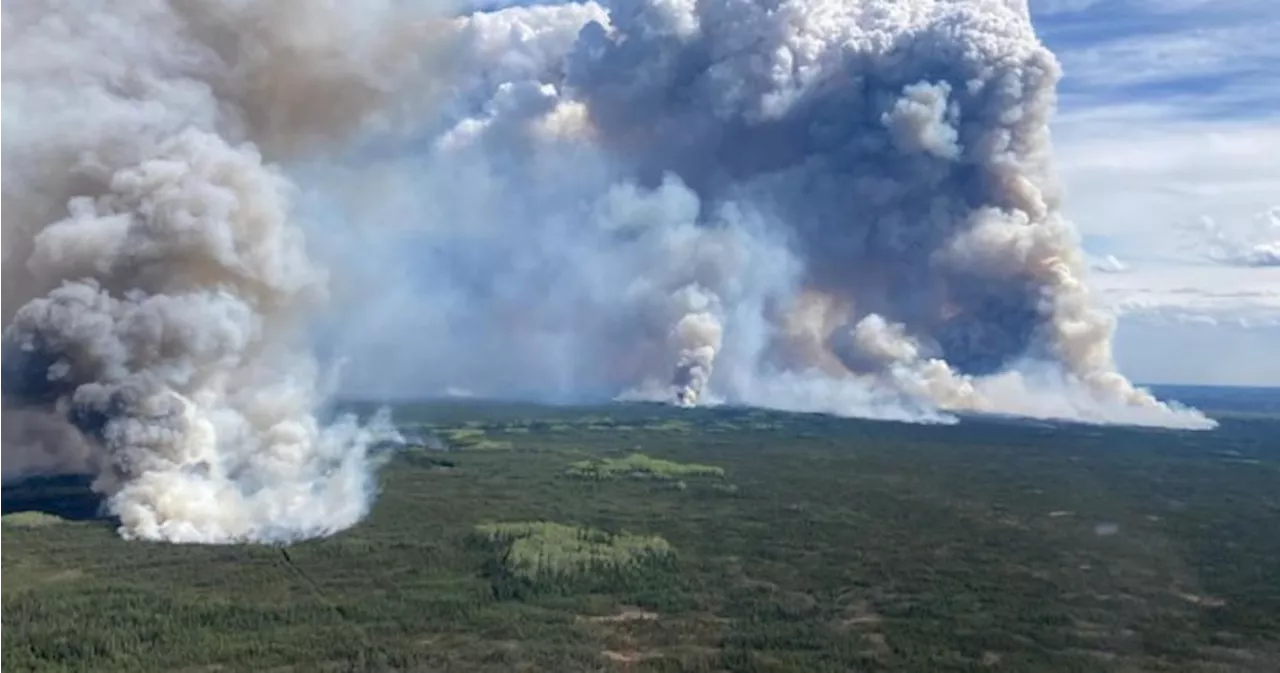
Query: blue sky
x=1168, y=142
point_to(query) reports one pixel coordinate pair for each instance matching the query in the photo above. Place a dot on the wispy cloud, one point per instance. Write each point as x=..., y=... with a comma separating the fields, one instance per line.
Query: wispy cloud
x=1168, y=141
x=1207, y=59
x=1252, y=244
x=1136, y=180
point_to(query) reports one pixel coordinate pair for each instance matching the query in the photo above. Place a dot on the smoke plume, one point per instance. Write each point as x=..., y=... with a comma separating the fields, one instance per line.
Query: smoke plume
x=845, y=207
x=157, y=283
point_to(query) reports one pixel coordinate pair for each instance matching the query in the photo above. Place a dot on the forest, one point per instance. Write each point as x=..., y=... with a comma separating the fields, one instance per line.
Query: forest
x=637, y=537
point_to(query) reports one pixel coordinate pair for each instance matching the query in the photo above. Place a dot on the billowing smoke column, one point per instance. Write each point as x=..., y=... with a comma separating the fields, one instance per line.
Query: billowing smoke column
x=904, y=146
x=156, y=283
x=843, y=206
x=834, y=206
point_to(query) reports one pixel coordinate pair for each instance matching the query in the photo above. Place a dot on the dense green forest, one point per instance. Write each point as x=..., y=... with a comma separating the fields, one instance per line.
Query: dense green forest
x=647, y=538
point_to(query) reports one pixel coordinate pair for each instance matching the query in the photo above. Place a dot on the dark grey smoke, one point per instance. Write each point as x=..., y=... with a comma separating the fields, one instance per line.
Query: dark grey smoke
x=899, y=141
x=838, y=206
x=53, y=445
x=157, y=279
x=798, y=204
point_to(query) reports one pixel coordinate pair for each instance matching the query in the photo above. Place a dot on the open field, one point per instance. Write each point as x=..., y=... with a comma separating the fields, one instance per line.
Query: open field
x=826, y=545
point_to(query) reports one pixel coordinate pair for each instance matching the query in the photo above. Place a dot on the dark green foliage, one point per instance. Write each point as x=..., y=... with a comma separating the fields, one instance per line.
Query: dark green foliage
x=420, y=457
x=847, y=546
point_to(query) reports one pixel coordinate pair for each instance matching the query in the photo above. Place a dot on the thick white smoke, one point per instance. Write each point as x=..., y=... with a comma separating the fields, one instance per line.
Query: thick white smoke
x=156, y=281
x=839, y=206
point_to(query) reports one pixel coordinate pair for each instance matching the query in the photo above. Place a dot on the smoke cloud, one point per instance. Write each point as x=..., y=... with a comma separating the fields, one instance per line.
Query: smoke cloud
x=157, y=281
x=847, y=208
x=843, y=207
x=48, y=446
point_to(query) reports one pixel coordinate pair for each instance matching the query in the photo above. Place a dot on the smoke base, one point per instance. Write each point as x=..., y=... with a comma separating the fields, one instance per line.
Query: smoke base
x=843, y=207
x=711, y=201
x=157, y=282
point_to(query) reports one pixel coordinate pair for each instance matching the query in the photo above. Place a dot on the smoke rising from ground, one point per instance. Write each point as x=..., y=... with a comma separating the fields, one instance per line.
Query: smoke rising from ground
x=156, y=279
x=845, y=207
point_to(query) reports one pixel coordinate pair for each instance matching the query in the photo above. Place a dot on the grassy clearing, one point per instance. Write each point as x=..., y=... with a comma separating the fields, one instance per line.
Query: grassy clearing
x=640, y=466
x=31, y=520
x=473, y=439
x=545, y=551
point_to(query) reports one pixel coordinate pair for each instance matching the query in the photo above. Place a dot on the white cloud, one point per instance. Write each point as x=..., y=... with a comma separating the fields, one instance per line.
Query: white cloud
x=1135, y=175
x=1223, y=51
x=1174, y=294
x=1108, y=264
x=1168, y=143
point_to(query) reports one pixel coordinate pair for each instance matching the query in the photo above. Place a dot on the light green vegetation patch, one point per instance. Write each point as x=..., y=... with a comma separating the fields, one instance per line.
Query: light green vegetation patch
x=31, y=519
x=640, y=466
x=851, y=545
x=473, y=439
x=544, y=550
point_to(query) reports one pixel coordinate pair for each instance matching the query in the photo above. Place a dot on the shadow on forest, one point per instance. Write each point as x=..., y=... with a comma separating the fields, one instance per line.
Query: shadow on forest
x=68, y=497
